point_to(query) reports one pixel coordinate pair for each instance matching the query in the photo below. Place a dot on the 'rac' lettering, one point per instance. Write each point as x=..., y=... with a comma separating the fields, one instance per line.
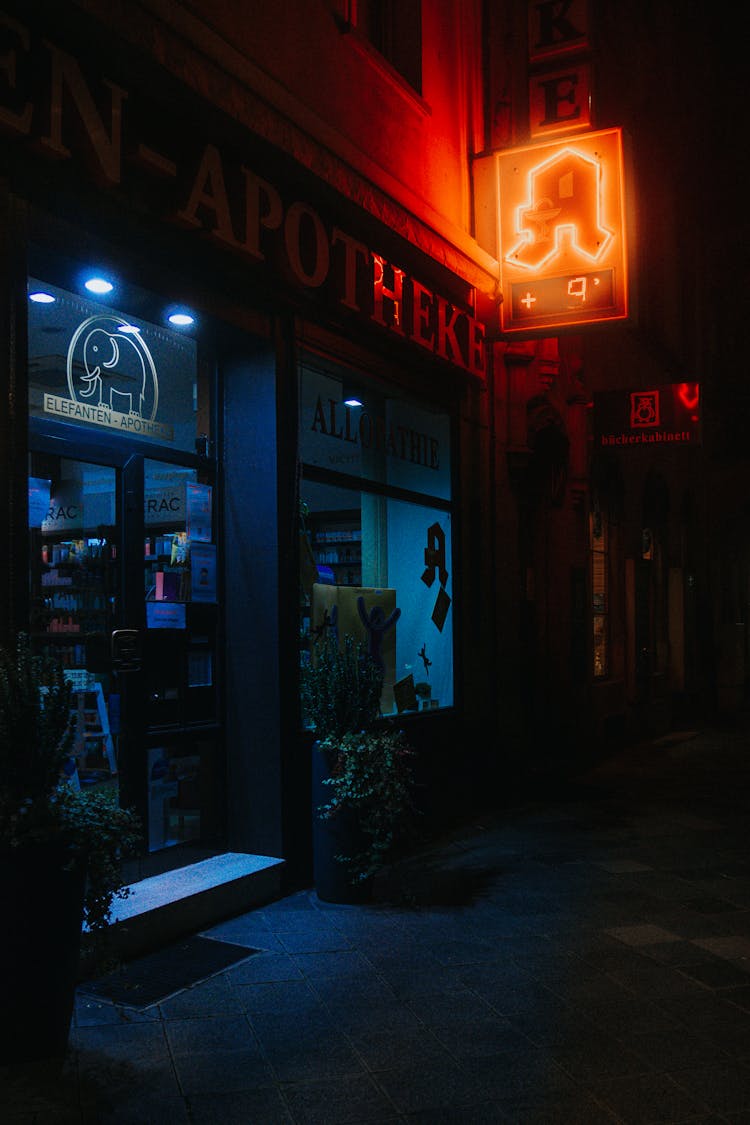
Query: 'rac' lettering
x=62, y=513
x=164, y=505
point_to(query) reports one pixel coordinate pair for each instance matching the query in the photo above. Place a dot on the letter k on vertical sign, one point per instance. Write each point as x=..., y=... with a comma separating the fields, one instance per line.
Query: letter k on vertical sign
x=557, y=27
x=561, y=232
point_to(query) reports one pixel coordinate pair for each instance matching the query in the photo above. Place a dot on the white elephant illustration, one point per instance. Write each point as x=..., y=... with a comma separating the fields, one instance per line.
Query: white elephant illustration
x=114, y=368
x=117, y=369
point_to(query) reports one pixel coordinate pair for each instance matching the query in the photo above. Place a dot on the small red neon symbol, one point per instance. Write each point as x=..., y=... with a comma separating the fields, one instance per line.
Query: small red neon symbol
x=689, y=394
x=644, y=409
x=528, y=300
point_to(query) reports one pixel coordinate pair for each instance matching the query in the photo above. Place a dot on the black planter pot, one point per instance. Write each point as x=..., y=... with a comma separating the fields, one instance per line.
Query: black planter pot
x=339, y=835
x=41, y=900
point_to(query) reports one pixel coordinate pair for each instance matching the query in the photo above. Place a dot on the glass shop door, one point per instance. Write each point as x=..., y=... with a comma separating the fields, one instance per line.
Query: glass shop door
x=118, y=596
x=76, y=601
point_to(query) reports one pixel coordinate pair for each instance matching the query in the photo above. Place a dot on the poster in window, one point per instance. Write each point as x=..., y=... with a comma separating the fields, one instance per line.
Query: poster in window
x=198, y=512
x=203, y=572
x=40, y=496
x=165, y=615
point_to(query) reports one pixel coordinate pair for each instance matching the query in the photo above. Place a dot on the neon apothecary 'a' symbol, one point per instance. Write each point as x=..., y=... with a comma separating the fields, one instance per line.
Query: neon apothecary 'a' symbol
x=563, y=202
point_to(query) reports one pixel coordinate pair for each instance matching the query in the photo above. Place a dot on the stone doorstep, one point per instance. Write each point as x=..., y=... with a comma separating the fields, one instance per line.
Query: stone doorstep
x=164, y=908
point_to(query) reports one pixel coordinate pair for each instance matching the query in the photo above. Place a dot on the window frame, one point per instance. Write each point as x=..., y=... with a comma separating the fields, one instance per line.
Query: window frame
x=314, y=362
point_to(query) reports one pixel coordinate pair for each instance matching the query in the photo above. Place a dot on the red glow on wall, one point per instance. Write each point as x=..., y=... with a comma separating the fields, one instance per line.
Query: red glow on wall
x=689, y=394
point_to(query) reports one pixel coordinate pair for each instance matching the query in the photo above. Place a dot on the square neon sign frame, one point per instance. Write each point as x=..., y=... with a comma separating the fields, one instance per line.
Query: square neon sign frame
x=562, y=233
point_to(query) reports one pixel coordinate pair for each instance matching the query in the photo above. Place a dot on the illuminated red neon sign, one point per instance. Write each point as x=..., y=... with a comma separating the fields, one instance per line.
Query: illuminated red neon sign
x=561, y=220
x=667, y=415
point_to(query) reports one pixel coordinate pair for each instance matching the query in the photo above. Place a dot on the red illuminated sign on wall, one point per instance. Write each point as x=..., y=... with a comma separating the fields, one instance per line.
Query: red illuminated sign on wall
x=658, y=416
x=561, y=220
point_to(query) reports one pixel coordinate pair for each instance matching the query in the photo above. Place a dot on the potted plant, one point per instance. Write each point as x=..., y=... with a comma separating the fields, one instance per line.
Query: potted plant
x=362, y=770
x=60, y=855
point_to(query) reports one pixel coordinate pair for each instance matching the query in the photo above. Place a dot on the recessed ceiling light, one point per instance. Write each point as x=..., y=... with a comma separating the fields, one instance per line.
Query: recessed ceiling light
x=181, y=319
x=351, y=401
x=99, y=285
x=41, y=298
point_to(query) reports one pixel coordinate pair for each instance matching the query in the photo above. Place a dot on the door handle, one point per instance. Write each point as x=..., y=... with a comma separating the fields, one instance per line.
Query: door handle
x=126, y=650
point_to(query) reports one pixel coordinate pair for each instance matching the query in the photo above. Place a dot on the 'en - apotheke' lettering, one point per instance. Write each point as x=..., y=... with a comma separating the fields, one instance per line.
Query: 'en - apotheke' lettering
x=70, y=116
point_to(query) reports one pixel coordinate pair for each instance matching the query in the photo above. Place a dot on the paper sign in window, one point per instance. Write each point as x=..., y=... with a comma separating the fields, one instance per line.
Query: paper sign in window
x=198, y=512
x=203, y=572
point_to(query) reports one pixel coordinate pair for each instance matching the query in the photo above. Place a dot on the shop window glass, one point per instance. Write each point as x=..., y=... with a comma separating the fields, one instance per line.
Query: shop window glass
x=111, y=381
x=375, y=563
x=168, y=577
x=180, y=792
x=74, y=592
x=105, y=366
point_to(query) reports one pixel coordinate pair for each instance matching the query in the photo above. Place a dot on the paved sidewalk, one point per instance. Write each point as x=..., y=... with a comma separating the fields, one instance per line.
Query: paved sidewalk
x=583, y=959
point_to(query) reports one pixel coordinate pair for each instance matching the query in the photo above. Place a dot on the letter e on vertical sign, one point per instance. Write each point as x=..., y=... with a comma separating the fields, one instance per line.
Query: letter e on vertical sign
x=560, y=101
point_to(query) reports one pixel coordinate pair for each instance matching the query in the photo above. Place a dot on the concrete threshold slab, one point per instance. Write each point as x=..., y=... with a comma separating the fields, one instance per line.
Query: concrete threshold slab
x=164, y=908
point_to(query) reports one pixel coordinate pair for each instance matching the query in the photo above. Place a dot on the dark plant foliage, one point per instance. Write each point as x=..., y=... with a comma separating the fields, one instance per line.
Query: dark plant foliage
x=106, y=834
x=340, y=687
x=372, y=775
x=370, y=760
x=36, y=734
x=37, y=803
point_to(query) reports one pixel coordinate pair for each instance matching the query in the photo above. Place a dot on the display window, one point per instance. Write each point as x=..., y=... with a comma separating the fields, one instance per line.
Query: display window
x=376, y=532
x=123, y=545
x=75, y=592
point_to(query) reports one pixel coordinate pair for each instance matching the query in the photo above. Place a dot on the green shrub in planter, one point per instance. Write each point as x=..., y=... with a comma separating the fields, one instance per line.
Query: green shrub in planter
x=340, y=687
x=367, y=801
x=371, y=776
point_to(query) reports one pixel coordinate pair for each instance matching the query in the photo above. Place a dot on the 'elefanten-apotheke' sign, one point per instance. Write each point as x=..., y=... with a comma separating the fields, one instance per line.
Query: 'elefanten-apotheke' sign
x=68, y=114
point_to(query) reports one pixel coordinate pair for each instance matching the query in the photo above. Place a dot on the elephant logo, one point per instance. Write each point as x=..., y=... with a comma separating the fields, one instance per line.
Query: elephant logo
x=109, y=365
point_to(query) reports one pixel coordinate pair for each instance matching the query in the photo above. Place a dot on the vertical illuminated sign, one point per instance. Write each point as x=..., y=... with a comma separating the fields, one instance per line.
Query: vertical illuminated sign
x=560, y=101
x=556, y=28
x=561, y=228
